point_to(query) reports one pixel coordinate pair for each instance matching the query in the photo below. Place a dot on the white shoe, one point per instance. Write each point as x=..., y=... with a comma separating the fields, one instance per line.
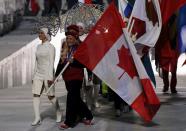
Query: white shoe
x=97, y=105
x=58, y=116
x=36, y=122
x=36, y=104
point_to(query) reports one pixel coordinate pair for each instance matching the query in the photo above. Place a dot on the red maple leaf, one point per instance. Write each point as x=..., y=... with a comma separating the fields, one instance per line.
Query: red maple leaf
x=126, y=62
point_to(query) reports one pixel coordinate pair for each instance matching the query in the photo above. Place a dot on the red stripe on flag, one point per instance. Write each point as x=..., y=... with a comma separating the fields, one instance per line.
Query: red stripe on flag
x=104, y=35
x=139, y=27
x=88, y=1
x=147, y=103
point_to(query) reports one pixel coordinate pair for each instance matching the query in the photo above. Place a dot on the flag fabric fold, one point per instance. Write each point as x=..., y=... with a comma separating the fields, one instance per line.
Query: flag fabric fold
x=168, y=7
x=125, y=8
x=148, y=100
x=149, y=32
x=109, y=54
x=85, y=1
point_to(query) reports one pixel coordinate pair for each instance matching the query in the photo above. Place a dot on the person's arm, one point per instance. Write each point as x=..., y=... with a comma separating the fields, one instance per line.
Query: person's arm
x=59, y=68
x=35, y=67
x=51, y=62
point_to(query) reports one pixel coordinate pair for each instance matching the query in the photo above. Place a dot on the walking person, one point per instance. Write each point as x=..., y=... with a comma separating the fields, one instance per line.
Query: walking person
x=53, y=5
x=90, y=90
x=41, y=7
x=167, y=54
x=76, y=109
x=44, y=75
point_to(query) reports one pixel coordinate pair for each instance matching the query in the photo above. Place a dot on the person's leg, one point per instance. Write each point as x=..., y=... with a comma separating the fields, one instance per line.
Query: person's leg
x=71, y=104
x=41, y=6
x=165, y=80
x=104, y=90
x=36, y=104
x=96, y=88
x=50, y=8
x=95, y=94
x=173, y=82
x=117, y=104
x=89, y=100
x=56, y=8
x=36, y=90
x=64, y=6
x=54, y=101
x=82, y=108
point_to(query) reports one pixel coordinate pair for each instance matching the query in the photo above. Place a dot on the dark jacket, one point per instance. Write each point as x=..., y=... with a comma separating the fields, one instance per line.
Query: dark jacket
x=73, y=72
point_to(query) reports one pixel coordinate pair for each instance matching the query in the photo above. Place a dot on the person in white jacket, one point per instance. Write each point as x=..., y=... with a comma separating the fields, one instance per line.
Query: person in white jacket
x=44, y=75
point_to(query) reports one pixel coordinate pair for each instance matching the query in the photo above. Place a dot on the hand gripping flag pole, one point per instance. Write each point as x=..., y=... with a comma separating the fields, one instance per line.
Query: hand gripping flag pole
x=57, y=78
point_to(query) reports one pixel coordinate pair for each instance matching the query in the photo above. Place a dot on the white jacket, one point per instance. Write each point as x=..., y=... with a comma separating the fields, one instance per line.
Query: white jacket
x=44, y=64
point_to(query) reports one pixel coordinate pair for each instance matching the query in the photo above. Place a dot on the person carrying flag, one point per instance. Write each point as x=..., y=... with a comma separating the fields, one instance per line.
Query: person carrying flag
x=76, y=109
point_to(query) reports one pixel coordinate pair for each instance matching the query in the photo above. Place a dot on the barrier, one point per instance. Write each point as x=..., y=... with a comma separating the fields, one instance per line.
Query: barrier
x=17, y=69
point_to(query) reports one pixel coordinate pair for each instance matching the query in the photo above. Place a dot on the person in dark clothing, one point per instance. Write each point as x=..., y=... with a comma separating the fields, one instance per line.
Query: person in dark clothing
x=119, y=104
x=76, y=109
x=100, y=2
x=71, y=3
x=167, y=54
x=53, y=5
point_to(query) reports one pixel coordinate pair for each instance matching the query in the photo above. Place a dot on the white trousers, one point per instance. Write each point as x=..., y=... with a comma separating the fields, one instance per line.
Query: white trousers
x=38, y=85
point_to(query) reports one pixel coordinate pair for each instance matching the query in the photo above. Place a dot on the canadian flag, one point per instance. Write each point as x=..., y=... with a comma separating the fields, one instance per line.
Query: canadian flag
x=85, y=1
x=148, y=29
x=111, y=55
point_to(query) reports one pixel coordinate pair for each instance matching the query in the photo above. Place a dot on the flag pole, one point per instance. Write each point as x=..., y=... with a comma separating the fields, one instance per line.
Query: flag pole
x=131, y=27
x=57, y=78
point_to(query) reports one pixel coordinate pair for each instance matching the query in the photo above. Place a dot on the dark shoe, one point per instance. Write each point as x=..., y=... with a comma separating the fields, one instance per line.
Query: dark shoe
x=88, y=122
x=174, y=91
x=63, y=126
x=118, y=113
x=126, y=109
x=165, y=89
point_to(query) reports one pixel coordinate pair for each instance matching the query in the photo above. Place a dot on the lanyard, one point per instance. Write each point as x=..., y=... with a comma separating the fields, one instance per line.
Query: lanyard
x=71, y=52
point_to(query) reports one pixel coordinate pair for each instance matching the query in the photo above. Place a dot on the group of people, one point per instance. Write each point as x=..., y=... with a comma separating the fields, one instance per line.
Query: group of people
x=44, y=7
x=73, y=76
x=82, y=85
x=76, y=108
x=166, y=55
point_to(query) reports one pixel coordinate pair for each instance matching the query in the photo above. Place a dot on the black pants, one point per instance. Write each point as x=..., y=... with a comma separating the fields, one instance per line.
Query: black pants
x=173, y=81
x=71, y=3
x=75, y=106
x=53, y=5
